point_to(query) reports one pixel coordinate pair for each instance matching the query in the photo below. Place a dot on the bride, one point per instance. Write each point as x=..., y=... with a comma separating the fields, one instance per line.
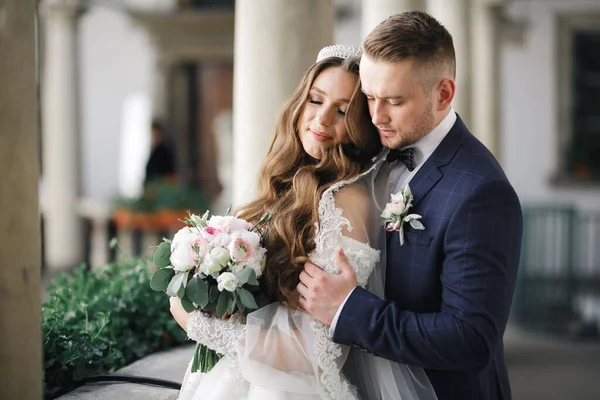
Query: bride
x=316, y=184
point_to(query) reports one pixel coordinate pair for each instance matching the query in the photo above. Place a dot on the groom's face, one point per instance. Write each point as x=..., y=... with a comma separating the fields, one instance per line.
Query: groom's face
x=400, y=107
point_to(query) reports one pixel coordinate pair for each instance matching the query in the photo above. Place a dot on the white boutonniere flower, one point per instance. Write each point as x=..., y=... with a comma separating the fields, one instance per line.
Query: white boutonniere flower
x=395, y=213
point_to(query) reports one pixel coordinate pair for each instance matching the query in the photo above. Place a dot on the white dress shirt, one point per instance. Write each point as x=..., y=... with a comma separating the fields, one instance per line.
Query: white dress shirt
x=396, y=175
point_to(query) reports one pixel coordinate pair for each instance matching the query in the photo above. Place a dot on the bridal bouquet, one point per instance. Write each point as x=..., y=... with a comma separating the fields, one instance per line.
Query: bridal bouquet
x=213, y=265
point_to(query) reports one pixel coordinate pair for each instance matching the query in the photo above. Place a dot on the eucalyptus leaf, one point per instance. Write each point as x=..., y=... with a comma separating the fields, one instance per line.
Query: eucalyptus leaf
x=162, y=255
x=197, y=291
x=161, y=278
x=213, y=293
x=401, y=235
x=187, y=305
x=232, y=304
x=247, y=275
x=223, y=303
x=411, y=217
x=407, y=194
x=211, y=306
x=417, y=224
x=246, y=298
x=175, y=284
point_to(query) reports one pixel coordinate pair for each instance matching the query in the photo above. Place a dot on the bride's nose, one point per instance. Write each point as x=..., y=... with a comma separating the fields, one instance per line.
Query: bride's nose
x=324, y=116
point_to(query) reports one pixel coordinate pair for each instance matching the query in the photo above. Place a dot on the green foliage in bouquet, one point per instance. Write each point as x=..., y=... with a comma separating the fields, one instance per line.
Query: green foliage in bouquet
x=200, y=291
x=98, y=321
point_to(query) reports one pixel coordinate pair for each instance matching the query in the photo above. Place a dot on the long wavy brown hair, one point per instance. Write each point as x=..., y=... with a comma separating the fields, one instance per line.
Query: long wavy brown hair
x=291, y=182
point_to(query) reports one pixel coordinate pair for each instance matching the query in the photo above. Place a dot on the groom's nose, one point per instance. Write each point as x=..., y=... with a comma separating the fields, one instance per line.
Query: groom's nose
x=379, y=115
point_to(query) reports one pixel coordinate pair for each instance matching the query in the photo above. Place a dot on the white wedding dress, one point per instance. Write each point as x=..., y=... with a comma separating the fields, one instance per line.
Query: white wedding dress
x=282, y=354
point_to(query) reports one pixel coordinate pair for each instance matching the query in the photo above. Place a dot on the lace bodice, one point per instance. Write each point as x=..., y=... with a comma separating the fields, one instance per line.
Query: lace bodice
x=224, y=336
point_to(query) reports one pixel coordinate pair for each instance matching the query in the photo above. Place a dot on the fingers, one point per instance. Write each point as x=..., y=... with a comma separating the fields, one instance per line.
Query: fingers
x=305, y=278
x=302, y=289
x=312, y=270
x=343, y=262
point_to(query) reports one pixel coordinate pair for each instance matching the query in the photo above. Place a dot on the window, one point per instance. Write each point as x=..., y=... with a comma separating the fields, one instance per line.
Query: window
x=579, y=96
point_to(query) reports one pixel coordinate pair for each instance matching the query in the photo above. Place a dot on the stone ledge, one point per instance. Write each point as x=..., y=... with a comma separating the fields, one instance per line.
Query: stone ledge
x=170, y=365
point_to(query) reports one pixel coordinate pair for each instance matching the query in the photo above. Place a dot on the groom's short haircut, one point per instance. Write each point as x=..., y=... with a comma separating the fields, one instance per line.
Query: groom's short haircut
x=414, y=35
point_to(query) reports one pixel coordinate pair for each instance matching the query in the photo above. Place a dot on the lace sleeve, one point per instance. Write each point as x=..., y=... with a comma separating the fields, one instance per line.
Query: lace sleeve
x=346, y=221
x=219, y=335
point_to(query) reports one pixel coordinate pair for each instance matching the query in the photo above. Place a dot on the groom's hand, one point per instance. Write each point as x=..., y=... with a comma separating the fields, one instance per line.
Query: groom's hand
x=322, y=294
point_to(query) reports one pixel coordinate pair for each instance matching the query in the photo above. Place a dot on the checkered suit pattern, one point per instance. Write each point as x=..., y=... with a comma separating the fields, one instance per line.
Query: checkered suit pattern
x=449, y=288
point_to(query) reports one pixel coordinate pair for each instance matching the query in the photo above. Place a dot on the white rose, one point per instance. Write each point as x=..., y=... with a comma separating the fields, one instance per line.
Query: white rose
x=397, y=208
x=220, y=256
x=228, y=224
x=220, y=240
x=210, y=267
x=387, y=213
x=227, y=281
x=182, y=258
x=183, y=236
x=398, y=197
x=258, y=262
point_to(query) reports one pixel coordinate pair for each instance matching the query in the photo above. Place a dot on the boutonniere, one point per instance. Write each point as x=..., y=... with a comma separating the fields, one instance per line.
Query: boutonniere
x=395, y=213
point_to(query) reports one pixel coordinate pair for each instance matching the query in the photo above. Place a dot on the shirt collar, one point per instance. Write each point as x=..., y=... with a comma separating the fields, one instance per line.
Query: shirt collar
x=427, y=144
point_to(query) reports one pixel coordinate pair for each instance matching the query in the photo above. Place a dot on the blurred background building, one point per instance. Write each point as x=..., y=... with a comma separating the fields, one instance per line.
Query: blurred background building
x=212, y=74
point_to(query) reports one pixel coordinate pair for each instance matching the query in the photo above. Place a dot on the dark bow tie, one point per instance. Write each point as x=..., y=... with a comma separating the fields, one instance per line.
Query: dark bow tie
x=407, y=156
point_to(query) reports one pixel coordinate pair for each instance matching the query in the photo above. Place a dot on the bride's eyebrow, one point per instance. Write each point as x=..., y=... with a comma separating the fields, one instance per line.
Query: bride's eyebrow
x=316, y=89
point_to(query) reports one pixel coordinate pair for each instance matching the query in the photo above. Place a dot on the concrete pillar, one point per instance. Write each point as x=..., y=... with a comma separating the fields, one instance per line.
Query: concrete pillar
x=485, y=74
x=63, y=233
x=275, y=43
x=375, y=11
x=20, y=252
x=454, y=15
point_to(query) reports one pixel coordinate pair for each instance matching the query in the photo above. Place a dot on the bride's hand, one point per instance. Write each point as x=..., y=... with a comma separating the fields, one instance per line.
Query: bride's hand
x=179, y=313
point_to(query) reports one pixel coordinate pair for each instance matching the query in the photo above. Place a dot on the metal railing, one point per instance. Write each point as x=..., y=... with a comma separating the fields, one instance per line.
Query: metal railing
x=558, y=289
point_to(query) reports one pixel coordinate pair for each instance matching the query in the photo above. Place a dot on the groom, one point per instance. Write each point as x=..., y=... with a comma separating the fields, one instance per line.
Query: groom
x=449, y=287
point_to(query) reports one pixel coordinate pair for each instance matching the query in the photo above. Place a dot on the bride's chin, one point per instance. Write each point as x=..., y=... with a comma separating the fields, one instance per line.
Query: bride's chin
x=314, y=152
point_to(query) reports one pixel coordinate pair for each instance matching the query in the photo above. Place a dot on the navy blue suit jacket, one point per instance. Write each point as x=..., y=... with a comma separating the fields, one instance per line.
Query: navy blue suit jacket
x=449, y=288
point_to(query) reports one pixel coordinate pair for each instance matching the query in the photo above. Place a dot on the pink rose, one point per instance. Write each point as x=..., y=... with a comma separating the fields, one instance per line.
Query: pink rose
x=198, y=248
x=393, y=226
x=243, y=246
x=211, y=230
x=397, y=208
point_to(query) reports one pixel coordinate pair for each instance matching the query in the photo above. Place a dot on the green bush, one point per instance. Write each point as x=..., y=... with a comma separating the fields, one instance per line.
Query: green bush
x=98, y=321
x=160, y=195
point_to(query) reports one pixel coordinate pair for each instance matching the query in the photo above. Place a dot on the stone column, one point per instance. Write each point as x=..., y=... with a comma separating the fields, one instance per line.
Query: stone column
x=275, y=43
x=375, y=11
x=454, y=15
x=159, y=90
x=63, y=234
x=485, y=74
x=20, y=252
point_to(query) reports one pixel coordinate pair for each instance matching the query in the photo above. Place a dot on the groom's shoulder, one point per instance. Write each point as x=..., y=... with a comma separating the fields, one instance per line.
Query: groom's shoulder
x=475, y=160
x=475, y=169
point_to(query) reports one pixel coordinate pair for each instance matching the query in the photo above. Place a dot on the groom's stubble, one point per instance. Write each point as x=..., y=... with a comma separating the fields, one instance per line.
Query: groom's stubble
x=423, y=125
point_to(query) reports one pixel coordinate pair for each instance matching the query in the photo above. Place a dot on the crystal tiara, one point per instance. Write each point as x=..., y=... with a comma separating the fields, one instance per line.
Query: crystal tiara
x=339, y=50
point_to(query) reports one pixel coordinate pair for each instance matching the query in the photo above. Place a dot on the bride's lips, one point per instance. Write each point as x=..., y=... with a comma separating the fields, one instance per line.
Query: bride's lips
x=320, y=136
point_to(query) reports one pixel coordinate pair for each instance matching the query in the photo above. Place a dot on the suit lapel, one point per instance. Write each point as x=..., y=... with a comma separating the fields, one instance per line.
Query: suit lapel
x=430, y=173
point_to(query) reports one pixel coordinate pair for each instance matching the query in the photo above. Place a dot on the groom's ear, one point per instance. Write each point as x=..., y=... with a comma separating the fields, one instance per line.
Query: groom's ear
x=446, y=90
